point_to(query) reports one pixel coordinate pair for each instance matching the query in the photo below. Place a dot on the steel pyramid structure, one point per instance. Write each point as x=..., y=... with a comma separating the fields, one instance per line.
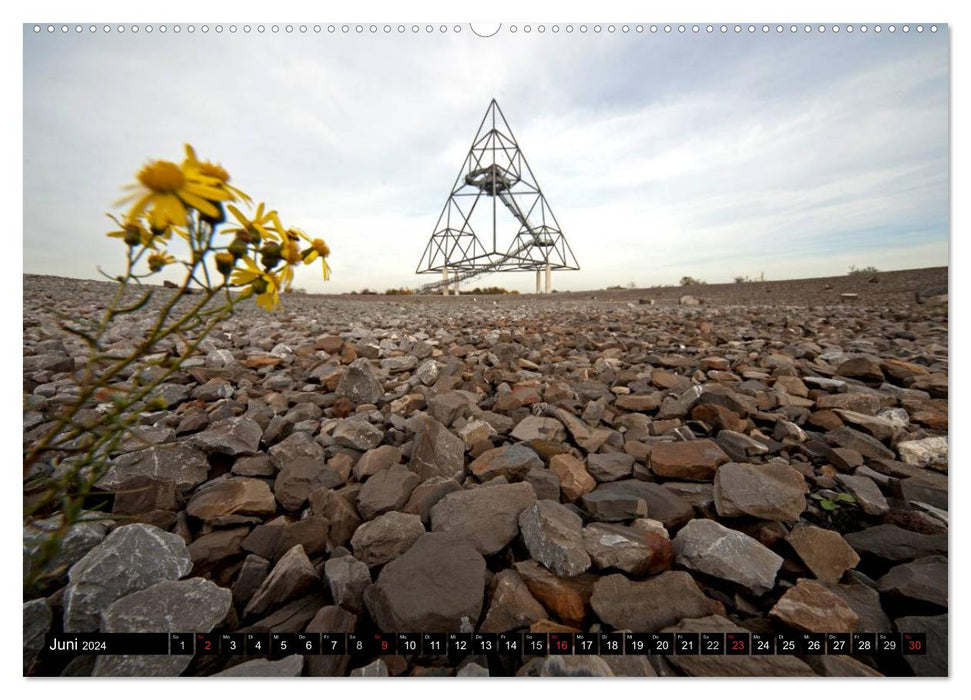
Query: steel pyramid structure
x=521, y=233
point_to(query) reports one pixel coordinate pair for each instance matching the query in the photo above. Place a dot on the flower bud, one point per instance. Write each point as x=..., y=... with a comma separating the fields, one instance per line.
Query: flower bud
x=225, y=263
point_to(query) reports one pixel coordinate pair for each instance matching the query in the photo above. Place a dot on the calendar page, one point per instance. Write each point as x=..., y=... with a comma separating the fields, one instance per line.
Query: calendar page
x=512, y=349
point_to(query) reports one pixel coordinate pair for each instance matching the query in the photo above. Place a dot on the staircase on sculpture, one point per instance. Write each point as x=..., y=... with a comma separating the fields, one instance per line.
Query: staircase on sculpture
x=495, y=169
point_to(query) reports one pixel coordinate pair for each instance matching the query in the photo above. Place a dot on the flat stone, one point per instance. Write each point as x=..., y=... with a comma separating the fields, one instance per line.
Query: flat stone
x=357, y=434
x=770, y=491
x=710, y=548
x=730, y=666
x=292, y=576
x=539, y=428
x=347, y=578
x=810, y=607
x=510, y=461
x=170, y=606
x=866, y=492
x=694, y=460
x=553, y=534
x=255, y=465
x=825, y=552
x=358, y=383
x=865, y=602
x=436, y=586
x=624, y=500
x=287, y=667
x=920, y=581
x=130, y=559
x=862, y=368
x=387, y=490
x=893, y=543
x=181, y=463
x=851, y=400
x=648, y=606
x=233, y=496
x=231, y=436
x=511, y=605
x=486, y=517
x=299, y=478
x=386, y=537
x=437, y=452
x=573, y=476
x=216, y=547
x=738, y=446
x=251, y=576
x=610, y=467
x=866, y=445
x=632, y=551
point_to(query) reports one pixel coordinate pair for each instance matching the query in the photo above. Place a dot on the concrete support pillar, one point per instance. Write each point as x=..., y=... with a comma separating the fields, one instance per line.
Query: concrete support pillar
x=537, y=281
x=445, y=279
x=549, y=279
x=456, y=288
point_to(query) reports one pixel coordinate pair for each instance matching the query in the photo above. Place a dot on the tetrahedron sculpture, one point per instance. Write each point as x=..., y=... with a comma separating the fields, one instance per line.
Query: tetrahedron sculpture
x=497, y=190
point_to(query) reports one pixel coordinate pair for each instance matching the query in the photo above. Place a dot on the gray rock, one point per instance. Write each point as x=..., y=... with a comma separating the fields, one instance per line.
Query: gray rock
x=487, y=518
x=770, y=491
x=427, y=494
x=195, y=605
x=610, y=467
x=539, y=428
x=934, y=662
x=553, y=534
x=449, y=406
x=130, y=559
x=300, y=478
x=251, y=576
x=333, y=619
x=866, y=492
x=375, y=669
x=359, y=384
x=232, y=436
x=375, y=460
x=386, y=537
x=292, y=576
x=79, y=539
x=298, y=445
x=472, y=670
x=427, y=372
x=510, y=461
x=920, y=581
x=624, y=500
x=575, y=666
x=545, y=484
x=893, y=543
x=865, y=602
x=287, y=667
x=396, y=365
x=37, y=623
x=182, y=464
x=437, y=452
x=357, y=434
x=436, y=586
x=347, y=578
x=710, y=548
x=648, y=606
x=387, y=490
x=738, y=446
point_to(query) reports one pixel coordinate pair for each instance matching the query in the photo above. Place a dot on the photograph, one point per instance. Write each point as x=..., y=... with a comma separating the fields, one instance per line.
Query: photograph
x=478, y=350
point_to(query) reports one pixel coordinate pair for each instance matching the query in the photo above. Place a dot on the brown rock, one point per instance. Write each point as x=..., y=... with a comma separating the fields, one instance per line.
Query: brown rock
x=770, y=491
x=234, y=496
x=574, y=478
x=567, y=598
x=512, y=606
x=810, y=607
x=647, y=606
x=292, y=576
x=825, y=552
x=694, y=460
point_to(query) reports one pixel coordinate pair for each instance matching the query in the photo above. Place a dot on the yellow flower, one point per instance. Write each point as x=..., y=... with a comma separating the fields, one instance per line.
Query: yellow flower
x=156, y=261
x=213, y=170
x=264, y=284
x=318, y=249
x=257, y=228
x=164, y=193
x=290, y=251
x=133, y=233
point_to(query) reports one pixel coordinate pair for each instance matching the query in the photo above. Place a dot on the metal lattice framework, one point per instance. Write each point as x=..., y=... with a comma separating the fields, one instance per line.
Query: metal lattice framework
x=495, y=169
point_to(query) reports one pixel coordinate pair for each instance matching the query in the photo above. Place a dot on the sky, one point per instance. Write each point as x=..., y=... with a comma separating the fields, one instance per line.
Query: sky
x=662, y=156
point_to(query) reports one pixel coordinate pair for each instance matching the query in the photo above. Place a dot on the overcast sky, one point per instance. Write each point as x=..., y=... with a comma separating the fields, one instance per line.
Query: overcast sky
x=661, y=155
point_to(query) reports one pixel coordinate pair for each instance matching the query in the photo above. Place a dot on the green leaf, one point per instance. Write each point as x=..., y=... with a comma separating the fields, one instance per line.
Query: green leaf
x=827, y=504
x=846, y=498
